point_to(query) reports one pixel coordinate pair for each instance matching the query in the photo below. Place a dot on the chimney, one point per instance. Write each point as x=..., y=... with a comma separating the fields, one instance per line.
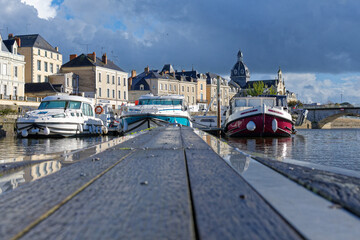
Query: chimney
x=73, y=56
x=130, y=82
x=92, y=56
x=104, y=58
x=133, y=73
x=173, y=74
x=147, y=69
x=57, y=49
x=18, y=41
x=10, y=36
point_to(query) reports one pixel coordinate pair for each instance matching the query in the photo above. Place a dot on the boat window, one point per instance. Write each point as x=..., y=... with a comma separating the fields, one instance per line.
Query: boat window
x=52, y=105
x=268, y=102
x=160, y=102
x=74, y=105
x=240, y=103
x=87, y=110
x=254, y=102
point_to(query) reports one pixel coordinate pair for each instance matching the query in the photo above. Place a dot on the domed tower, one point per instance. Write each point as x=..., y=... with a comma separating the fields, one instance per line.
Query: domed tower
x=240, y=72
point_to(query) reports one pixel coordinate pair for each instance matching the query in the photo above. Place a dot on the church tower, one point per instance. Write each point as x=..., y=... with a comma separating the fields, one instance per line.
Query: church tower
x=240, y=73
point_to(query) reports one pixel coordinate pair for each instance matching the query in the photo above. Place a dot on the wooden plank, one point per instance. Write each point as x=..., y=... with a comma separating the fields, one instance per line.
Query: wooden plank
x=192, y=140
x=26, y=203
x=167, y=138
x=147, y=198
x=225, y=206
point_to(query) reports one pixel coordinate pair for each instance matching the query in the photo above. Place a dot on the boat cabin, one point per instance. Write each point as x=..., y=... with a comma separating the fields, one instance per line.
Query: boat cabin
x=242, y=103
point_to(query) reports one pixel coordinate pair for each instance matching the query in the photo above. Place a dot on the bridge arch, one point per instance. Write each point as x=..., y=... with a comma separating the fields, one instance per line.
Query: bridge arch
x=331, y=118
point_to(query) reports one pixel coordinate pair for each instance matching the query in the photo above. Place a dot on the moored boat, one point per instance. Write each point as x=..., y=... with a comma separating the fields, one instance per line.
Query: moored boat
x=263, y=116
x=61, y=115
x=152, y=111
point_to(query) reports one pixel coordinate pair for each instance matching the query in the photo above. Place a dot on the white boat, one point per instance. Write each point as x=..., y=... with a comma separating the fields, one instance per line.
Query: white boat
x=263, y=116
x=206, y=122
x=61, y=115
x=109, y=118
x=152, y=111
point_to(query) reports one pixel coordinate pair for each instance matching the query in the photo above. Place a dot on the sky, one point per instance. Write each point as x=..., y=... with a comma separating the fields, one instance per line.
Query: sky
x=314, y=42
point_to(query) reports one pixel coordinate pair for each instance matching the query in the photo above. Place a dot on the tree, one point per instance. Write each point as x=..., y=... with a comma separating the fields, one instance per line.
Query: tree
x=258, y=89
x=272, y=90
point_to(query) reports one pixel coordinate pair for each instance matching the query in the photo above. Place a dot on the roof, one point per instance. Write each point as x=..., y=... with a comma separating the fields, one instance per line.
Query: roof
x=34, y=40
x=168, y=68
x=39, y=87
x=8, y=44
x=268, y=83
x=210, y=76
x=84, y=61
x=3, y=47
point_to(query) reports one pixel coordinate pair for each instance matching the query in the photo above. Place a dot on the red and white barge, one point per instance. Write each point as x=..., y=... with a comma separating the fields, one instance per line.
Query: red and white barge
x=264, y=116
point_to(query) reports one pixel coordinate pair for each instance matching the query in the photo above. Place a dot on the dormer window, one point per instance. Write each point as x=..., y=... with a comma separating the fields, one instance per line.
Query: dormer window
x=15, y=50
x=141, y=87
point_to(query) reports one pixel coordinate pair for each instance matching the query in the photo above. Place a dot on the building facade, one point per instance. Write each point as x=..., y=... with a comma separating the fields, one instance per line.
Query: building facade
x=41, y=58
x=99, y=78
x=12, y=71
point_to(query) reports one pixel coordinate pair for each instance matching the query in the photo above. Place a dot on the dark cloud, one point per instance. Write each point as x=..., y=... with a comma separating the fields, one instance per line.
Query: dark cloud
x=300, y=36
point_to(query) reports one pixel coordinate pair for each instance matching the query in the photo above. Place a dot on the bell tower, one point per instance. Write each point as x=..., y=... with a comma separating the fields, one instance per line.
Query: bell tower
x=240, y=73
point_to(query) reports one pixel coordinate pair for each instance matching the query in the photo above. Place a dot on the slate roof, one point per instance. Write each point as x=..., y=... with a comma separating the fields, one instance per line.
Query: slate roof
x=168, y=67
x=8, y=44
x=35, y=40
x=210, y=76
x=4, y=47
x=268, y=83
x=41, y=87
x=84, y=61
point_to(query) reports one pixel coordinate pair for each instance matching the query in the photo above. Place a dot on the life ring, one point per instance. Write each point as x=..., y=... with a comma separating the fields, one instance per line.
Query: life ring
x=99, y=109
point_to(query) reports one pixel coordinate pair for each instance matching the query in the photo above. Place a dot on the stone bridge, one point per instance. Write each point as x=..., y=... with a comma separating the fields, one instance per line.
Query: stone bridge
x=320, y=115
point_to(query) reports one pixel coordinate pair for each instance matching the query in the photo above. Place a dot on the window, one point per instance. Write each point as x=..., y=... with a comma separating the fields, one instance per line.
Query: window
x=169, y=87
x=113, y=93
x=46, y=79
x=188, y=89
x=15, y=50
x=51, y=67
x=5, y=90
x=141, y=86
x=45, y=53
x=51, y=55
x=193, y=100
x=119, y=81
x=160, y=86
x=201, y=97
x=193, y=89
x=57, y=56
x=67, y=82
x=201, y=87
x=87, y=109
x=45, y=66
x=108, y=93
x=15, y=71
x=113, y=79
x=99, y=77
x=57, y=68
x=124, y=81
x=182, y=88
x=38, y=51
x=174, y=87
x=15, y=91
x=99, y=92
x=119, y=93
x=107, y=78
x=39, y=65
x=125, y=95
x=165, y=86
x=39, y=78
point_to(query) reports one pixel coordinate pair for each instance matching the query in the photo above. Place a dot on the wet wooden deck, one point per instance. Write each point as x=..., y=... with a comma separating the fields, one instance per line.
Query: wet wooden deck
x=164, y=184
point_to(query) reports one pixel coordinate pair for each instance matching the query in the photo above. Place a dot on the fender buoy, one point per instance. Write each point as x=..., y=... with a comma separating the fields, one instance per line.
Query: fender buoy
x=99, y=109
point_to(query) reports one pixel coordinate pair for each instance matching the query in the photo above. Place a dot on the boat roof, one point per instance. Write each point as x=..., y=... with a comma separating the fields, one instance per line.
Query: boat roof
x=67, y=98
x=151, y=96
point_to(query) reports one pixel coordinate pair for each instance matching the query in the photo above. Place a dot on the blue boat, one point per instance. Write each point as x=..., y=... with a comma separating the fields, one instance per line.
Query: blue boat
x=153, y=111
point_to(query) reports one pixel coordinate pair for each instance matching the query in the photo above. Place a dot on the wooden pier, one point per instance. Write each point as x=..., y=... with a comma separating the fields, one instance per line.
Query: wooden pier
x=164, y=184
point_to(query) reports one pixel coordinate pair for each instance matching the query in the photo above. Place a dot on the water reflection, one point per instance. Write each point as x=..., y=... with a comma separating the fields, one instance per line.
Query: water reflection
x=238, y=161
x=60, y=151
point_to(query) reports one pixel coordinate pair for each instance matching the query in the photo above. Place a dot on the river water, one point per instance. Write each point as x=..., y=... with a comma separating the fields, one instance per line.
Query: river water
x=329, y=147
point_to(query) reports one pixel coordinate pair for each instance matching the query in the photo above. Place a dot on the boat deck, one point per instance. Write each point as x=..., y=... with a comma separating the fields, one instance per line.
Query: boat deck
x=167, y=183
